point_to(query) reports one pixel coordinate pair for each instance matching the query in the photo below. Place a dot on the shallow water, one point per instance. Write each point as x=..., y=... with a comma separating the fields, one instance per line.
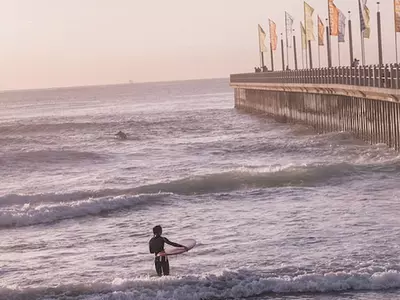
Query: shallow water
x=278, y=211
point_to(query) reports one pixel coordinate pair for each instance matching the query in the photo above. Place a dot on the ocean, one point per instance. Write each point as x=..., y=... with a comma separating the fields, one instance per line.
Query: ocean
x=278, y=211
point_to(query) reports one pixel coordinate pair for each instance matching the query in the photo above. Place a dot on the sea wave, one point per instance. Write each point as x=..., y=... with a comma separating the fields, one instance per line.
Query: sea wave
x=48, y=156
x=34, y=199
x=249, y=178
x=16, y=129
x=47, y=213
x=226, y=285
x=23, y=210
x=9, y=141
x=219, y=182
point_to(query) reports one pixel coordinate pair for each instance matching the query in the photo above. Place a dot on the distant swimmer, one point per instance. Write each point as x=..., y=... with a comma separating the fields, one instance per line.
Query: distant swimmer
x=156, y=246
x=121, y=135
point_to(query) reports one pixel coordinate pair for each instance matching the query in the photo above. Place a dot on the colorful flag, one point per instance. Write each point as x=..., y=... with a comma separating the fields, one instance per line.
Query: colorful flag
x=309, y=22
x=289, y=29
x=272, y=35
x=321, y=32
x=333, y=18
x=397, y=15
x=342, y=27
x=364, y=18
x=303, y=36
x=367, y=18
x=261, y=38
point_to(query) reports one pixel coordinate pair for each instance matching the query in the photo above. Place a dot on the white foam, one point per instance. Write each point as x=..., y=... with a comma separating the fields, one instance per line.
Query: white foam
x=46, y=213
x=21, y=199
x=227, y=284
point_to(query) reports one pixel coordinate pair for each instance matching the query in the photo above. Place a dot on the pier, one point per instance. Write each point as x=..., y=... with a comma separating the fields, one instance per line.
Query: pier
x=362, y=100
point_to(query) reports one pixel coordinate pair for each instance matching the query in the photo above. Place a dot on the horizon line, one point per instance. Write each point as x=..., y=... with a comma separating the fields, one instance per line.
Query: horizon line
x=107, y=84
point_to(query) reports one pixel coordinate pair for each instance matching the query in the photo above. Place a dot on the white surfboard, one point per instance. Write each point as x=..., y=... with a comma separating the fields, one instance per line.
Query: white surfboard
x=169, y=250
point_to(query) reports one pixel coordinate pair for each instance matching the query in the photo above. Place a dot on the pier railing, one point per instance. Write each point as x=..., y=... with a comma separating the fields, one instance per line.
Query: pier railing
x=383, y=76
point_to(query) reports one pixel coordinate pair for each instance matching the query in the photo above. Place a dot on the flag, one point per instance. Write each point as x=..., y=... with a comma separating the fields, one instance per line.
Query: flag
x=261, y=38
x=342, y=27
x=397, y=15
x=303, y=36
x=321, y=32
x=309, y=23
x=367, y=18
x=272, y=35
x=289, y=29
x=364, y=18
x=333, y=18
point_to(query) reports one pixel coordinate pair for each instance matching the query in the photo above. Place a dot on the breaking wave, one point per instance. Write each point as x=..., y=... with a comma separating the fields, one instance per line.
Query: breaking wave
x=226, y=285
x=252, y=178
x=45, y=213
x=243, y=178
x=23, y=210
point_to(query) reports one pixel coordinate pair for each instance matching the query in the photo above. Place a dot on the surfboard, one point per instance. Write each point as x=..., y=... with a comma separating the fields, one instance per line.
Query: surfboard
x=169, y=250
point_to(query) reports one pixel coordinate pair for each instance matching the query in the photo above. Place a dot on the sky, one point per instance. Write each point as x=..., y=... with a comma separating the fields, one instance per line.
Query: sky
x=54, y=43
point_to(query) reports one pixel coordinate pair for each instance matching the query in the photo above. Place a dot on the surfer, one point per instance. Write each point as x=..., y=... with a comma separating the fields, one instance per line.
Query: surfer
x=156, y=245
x=121, y=135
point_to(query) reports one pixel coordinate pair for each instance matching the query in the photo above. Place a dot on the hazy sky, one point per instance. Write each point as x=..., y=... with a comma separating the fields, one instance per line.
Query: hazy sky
x=49, y=43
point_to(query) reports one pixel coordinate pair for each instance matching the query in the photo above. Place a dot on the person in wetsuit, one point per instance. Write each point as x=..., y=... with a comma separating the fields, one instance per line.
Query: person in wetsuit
x=121, y=135
x=156, y=245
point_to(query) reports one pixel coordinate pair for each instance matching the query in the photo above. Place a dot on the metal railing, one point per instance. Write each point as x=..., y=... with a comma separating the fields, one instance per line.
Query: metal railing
x=383, y=76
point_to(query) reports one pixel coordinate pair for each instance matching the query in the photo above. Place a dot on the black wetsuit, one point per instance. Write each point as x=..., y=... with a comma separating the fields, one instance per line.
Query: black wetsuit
x=156, y=246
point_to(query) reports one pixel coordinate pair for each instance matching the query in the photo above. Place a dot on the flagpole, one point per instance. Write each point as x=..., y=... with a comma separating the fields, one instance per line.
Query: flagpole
x=287, y=56
x=380, y=51
x=260, y=49
x=262, y=59
x=338, y=47
x=319, y=40
x=362, y=33
x=305, y=26
x=328, y=46
x=282, y=53
x=295, y=51
x=362, y=48
x=272, y=58
x=328, y=37
x=397, y=53
x=287, y=40
x=395, y=31
x=319, y=55
x=351, y=40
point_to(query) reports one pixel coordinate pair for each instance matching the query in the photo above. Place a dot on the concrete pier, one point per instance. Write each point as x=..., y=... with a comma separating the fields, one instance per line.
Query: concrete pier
x=370, y=113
